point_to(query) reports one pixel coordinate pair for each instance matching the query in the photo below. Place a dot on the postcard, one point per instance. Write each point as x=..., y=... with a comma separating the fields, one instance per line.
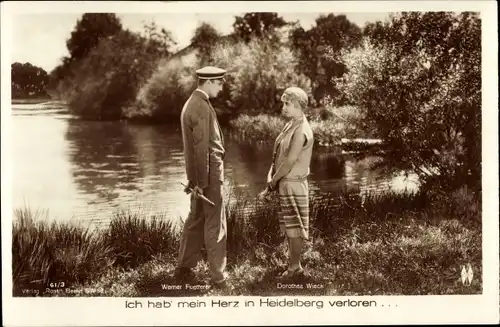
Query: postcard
x=229, y=163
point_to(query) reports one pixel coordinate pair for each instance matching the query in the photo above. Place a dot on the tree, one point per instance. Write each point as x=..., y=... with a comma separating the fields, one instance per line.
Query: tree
x=105, y=83
x=419, y=83
x=257, y=25
x=378, y=32
x=89, y=30
x=57, y=75
x=28, y=80
x=160, y=41
x=330, y=35
x=204, y=40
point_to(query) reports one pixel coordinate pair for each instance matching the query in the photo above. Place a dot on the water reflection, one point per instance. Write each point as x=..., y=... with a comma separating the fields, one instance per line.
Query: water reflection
x=41, y=173
x=121, y=166
x=90, y=170
x=98, y=153
x=247, y=167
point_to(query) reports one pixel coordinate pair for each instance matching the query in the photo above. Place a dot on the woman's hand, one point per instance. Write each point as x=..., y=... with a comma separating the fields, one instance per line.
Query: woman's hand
x=266, y=194
x=271, y=185
x=263, y=194
x=270, y=175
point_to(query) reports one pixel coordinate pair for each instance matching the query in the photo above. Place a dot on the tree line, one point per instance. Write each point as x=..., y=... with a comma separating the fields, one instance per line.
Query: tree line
x=93, y=31
x=28, y=81
x=414, y=79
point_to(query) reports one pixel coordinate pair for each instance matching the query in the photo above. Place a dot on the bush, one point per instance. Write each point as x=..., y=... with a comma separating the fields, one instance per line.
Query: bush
x=106, y=81
x=164, y=94
x=254, y=91
x=351, y=120
x=328, y=132
x=260, y=128
x=419, y=85
x=263, y=129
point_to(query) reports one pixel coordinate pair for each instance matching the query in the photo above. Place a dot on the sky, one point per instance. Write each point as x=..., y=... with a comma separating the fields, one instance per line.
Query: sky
x=41, y=38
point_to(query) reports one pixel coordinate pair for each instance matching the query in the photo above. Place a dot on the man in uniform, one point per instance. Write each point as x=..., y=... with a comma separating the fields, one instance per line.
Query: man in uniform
x=204, y=153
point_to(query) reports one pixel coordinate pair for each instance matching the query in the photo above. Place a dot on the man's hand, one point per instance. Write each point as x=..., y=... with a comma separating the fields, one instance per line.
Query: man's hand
x=191, y=188
x=197, y=190
x=188, y=188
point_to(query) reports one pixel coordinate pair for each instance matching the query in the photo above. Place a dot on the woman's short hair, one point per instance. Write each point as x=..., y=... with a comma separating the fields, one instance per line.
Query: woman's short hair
x=296, y=94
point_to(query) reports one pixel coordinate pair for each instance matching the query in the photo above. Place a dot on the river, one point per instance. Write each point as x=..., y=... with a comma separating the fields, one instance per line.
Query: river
x=87, y=171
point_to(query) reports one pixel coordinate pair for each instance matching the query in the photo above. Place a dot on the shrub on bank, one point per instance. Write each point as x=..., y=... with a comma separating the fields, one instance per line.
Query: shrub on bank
x=265, y=128
x=422, y=92
x=350, y=120
x=257, y=129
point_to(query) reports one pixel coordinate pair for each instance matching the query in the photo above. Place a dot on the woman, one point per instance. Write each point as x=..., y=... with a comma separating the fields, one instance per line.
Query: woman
x=288, y=175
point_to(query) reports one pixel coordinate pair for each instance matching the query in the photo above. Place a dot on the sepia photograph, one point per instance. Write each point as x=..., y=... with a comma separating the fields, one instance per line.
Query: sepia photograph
x=284, y=155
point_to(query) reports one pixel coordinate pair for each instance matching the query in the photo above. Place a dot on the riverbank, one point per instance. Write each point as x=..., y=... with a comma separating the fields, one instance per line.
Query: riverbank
x=30, y=100
x=405, y=244
x=333, y=131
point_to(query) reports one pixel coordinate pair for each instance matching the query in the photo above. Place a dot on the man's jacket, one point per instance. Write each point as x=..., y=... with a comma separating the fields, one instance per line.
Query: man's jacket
x=203, y=141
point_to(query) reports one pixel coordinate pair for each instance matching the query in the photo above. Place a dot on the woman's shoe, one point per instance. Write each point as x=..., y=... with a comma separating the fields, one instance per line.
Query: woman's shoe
x=287, y=274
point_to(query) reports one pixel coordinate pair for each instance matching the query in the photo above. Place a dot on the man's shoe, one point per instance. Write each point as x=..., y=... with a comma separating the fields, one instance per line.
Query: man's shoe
x=224, y=286
x=183, y=274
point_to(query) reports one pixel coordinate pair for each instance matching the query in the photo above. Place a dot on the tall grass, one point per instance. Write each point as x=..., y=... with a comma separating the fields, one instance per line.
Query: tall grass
x=384, y=244
x=45, y=252
x=136, y=240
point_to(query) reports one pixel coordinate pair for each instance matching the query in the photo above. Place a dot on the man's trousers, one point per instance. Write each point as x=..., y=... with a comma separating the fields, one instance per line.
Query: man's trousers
x=206, y=224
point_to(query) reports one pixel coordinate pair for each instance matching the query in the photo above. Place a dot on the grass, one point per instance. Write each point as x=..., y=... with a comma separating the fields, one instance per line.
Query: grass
x=404, y=244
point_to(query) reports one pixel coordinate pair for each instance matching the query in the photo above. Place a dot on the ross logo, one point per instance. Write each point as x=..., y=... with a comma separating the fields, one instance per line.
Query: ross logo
x=467, y=274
